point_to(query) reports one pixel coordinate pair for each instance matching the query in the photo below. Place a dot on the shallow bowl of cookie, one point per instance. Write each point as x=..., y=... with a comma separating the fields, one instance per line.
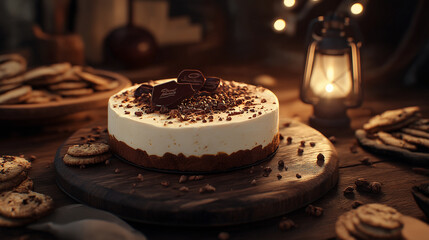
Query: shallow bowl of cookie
x=49, y=97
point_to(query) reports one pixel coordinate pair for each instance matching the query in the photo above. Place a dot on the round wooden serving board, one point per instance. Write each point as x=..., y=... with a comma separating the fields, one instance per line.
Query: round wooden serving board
x=235, y=200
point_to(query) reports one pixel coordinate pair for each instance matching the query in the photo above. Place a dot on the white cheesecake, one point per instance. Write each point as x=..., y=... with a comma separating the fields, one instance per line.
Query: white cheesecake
x=235, y=126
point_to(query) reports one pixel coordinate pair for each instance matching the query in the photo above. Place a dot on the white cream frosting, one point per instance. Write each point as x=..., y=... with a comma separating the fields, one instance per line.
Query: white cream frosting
x=152, y=132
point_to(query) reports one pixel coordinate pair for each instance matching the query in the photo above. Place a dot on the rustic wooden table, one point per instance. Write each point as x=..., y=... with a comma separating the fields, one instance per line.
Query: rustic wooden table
x=396, y=177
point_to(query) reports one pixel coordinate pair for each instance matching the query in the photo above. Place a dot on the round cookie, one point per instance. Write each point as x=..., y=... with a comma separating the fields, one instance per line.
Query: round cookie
x=13, y=80
x=388, y=139
x=392, y=119
x=12, y=166
x=8, y=87
x=25, y=205
x=89, y=149
x=16, y=95
x=70, y=160
x=14, y=182
x=92, y=78
x=379, y=215
x=11, y=65
x=46, y=71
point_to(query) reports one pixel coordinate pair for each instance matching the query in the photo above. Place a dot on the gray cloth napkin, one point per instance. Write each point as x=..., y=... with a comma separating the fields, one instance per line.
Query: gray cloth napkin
x=80, y=222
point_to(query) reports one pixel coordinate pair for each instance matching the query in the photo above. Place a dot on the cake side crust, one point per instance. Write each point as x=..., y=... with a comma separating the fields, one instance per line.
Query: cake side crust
x=206, y=162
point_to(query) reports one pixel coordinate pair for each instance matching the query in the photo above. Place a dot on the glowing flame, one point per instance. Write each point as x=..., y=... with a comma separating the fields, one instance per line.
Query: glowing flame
x=356, y=8
x=279, y=25
x=329, y=87
x=289, y=3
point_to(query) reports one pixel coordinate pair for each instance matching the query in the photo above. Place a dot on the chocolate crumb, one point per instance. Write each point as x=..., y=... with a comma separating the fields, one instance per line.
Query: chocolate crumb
x=300, y=151
x=362, y=185
x=349, y=190
x=333, y=139
x=289, y=140
x=117, y=170
x=286, y=124
x=183, y=179
x=281, y=163
x=263, y=100
x=281, y=137
x=140, y=177
x=375, y=187
x=302, y=143
x=286, y=224
x=314, y=211
x=357, y=204
x=139, y=114
x=228, y=119
x=223, y=236
x=253, y=182
x=126, y=112
x=165, y=183
x=207, y=189
x=267, y=169
x=184, y=189
x=279, y=176
x=298, y=175
x=312, y=144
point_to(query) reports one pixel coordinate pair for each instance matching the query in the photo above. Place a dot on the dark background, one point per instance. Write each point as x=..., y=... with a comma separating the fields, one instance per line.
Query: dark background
x=238, y=33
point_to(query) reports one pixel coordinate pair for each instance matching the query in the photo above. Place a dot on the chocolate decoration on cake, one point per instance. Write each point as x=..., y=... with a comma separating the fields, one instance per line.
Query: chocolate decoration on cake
x=211, y=84
x=193, y=77
x=171, y=93
x=144, y=88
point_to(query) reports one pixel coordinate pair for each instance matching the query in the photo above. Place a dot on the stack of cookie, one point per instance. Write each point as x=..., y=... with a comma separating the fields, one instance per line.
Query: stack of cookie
x=88, y=153
x=47, y=83
x=370, y=221
x=14, y=174
x=403, y=128
x=19, y=205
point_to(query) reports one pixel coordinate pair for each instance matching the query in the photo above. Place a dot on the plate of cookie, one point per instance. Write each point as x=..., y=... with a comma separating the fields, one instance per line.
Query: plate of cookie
x=51, y=91
x=401, y=133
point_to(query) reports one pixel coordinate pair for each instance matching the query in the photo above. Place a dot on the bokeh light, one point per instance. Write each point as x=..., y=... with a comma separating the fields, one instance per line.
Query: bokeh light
x=289, y=3
x=356, y=8
x=279, y=25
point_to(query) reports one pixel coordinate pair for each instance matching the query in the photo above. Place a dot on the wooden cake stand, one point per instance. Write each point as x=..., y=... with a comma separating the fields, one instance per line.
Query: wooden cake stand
x=235, y=201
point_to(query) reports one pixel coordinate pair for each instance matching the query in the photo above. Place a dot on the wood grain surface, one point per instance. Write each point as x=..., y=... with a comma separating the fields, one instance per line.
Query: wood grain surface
x=396, y=177
x=65, y=106
x=235, y=201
